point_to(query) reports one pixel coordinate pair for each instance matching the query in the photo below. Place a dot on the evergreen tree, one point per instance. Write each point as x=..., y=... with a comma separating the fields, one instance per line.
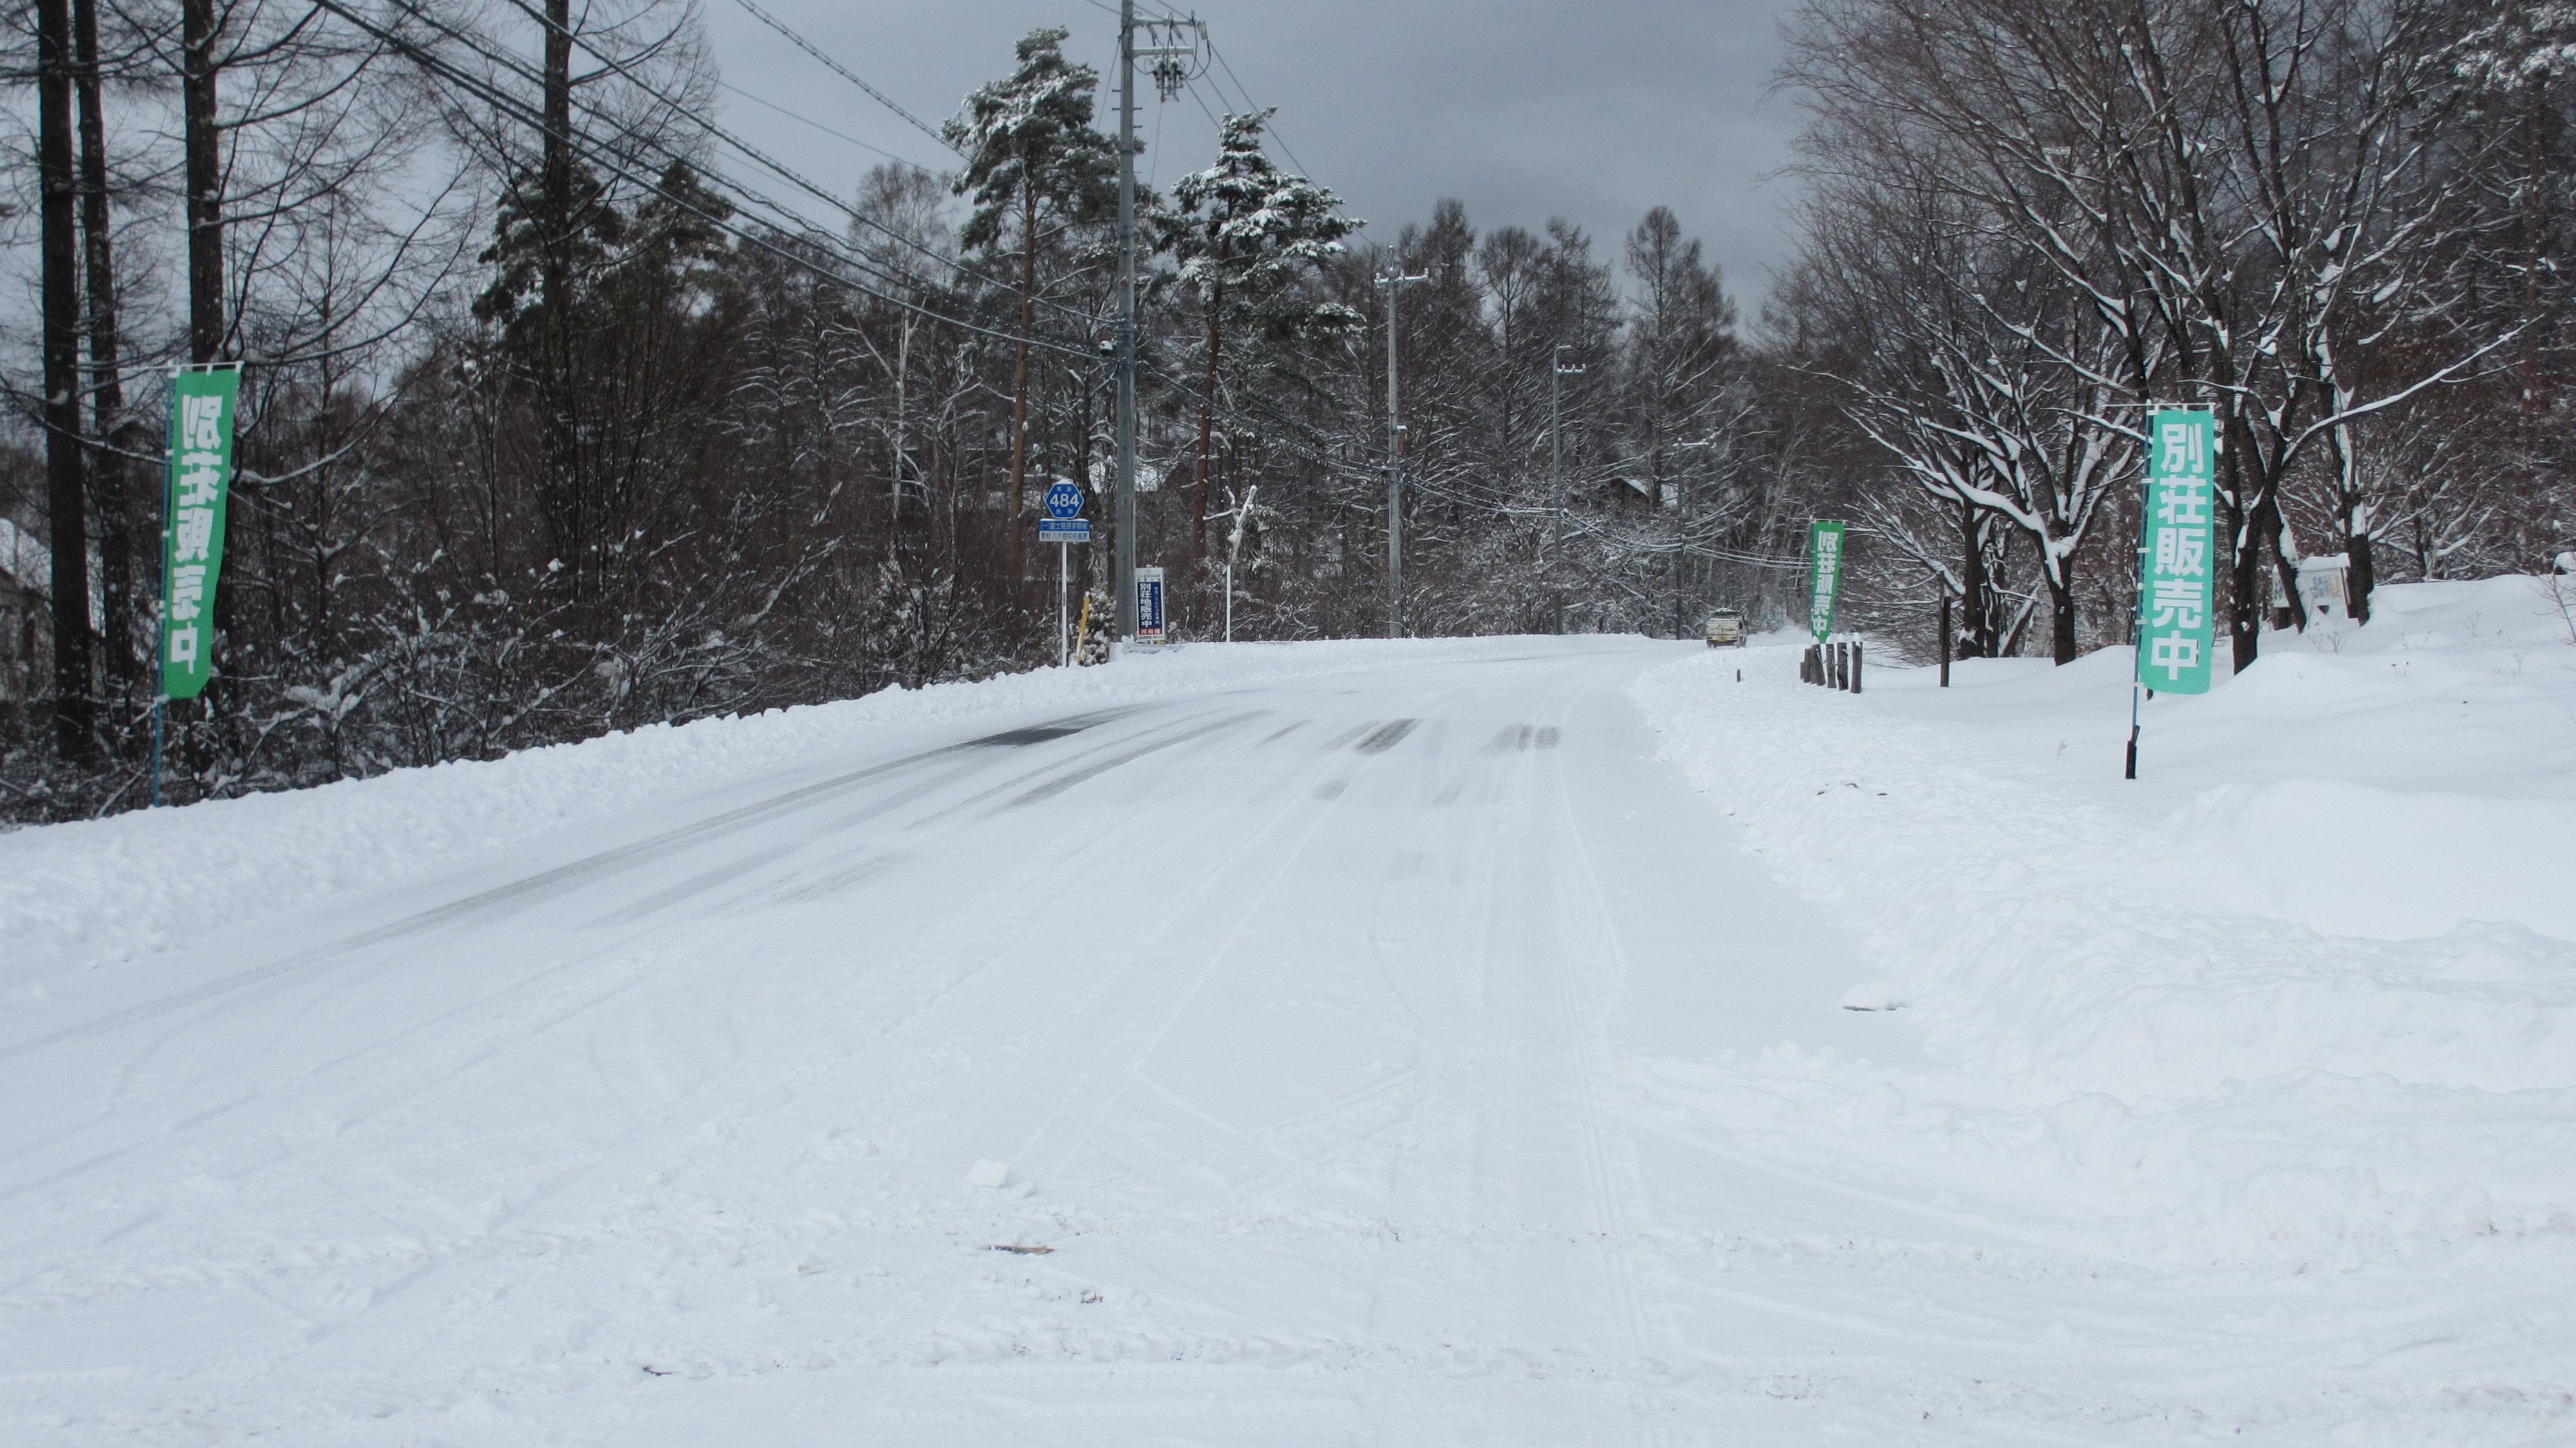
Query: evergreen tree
x=1032, y=154
x=1248, y=235
x=598, y=370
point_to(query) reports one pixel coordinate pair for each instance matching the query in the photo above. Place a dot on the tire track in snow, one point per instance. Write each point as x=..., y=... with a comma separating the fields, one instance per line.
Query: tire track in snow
x=522, y=892
x=1277, y=847
x=1108, y=994
x=1589, y=974
x=1117, y=1064
x=869, y=997
x=238, y=992
x=270, y=982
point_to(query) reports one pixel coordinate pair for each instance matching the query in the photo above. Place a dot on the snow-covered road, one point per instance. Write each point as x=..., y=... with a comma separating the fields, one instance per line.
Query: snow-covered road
x=1289, y=1010
x=1294, y=1063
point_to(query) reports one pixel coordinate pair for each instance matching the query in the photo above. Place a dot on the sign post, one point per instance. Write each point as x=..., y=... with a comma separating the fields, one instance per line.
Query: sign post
x=2177, y=572
x=1063, y=526
x=203, y=400
x=1825, y=574
x=1149, y=606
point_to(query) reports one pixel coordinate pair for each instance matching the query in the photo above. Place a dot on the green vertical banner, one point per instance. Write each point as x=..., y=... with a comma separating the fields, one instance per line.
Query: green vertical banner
x=1824, y=574
x=2177, y=565
x=201, y=474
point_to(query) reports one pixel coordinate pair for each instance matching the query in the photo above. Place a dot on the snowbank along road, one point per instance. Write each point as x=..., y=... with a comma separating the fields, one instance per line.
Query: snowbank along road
x=1406, y=1053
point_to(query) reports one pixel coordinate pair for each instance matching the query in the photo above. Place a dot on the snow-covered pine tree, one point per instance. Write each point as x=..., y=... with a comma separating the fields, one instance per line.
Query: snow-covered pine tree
x=1030, y=153
x=1247, y=234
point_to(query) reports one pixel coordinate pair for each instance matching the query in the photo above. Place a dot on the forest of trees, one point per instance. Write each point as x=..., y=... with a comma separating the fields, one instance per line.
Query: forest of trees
x=554, y=422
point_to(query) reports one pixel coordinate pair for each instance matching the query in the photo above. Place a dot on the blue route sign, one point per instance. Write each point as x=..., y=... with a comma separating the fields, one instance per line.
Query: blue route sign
x=1064, y=500
x=1064, y=530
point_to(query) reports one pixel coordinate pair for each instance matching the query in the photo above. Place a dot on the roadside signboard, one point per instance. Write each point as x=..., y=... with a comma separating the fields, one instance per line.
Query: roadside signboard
x=1825, y=574
x=1149, y=605
x=1064, y=524
x=192, y=558
x=2177, y=572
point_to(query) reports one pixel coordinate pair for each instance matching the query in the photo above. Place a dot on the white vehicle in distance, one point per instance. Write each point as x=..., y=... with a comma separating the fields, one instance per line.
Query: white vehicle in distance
x=1726, y=628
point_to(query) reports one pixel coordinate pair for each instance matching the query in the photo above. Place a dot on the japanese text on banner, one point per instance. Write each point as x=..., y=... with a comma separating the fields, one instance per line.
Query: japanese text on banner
x=2177, y=567
x=201, y=468
x=1825, y=575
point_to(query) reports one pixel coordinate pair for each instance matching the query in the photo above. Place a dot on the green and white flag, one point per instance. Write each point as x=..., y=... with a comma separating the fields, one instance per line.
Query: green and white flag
x=1825, y=574
x=2177, y=565
x=201, y=473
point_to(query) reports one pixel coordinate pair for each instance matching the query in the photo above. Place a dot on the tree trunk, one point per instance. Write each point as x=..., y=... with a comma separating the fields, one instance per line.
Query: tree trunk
x=109, y=470
x=2061, y=615
x=75, y=732
x=1207, y=416
x=2286, y=570
x=2248, y=528
x=1976, y=610
x=1018, y=551
x=2360, y=575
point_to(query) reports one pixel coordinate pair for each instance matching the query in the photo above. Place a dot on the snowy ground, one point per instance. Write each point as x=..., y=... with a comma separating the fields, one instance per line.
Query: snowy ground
x=1341, y=1044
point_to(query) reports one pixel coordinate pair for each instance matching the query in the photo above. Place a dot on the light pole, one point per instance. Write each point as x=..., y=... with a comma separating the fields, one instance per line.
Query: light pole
x=1391, y=279
x=1556, y=464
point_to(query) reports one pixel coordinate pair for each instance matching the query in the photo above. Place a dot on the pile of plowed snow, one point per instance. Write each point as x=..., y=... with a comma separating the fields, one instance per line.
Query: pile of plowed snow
x=2310, y=980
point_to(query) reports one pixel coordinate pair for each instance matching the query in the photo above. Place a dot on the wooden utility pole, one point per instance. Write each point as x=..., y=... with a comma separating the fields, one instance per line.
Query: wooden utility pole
x=205, y=181
x=556, y=438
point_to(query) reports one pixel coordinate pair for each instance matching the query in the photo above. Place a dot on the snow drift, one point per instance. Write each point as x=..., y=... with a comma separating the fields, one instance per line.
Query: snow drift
x=2312, y=979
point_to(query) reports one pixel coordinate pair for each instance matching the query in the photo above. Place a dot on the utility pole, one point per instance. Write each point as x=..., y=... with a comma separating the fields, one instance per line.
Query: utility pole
x=1392, y=279
x=1123, y=573
x=1556, y=462
x=1171, y=70
x=66, y=484
x=1681, y=543
x=1681, y=526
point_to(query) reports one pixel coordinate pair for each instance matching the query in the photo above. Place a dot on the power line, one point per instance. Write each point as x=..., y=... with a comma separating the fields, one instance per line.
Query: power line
x=1249, y=105
x=844, y=72
x=780, y=241
x=514, y=108
x=1108, y=9
x=818, y=125
x=623, y=68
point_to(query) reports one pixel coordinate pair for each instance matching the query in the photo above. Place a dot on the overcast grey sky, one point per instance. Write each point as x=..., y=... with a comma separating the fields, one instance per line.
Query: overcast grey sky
x=1522, y=109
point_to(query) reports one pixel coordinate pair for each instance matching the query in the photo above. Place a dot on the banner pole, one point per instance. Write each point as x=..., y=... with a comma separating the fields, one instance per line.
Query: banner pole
x=2138, y=636
x=2133, y=731
x=2138, y=632
x=2176, y=560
